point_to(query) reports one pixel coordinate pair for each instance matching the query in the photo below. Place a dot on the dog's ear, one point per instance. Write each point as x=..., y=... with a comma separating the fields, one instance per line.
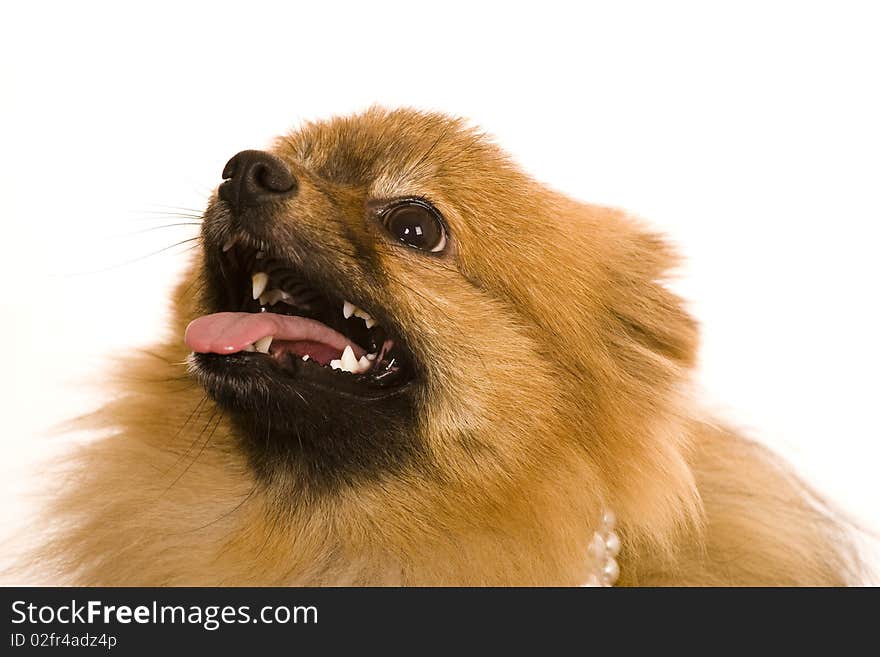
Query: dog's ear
x=606, y=283
x=645, y=309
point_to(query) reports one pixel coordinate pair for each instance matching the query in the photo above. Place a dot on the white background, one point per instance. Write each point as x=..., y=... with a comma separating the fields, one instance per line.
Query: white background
x=749, y=133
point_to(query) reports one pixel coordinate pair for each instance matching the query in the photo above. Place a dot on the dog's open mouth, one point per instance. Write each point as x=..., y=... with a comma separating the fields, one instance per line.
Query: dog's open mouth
x=270, y=313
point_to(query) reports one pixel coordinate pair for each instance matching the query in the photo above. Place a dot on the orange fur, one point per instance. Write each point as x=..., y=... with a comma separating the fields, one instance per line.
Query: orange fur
x=558, y=384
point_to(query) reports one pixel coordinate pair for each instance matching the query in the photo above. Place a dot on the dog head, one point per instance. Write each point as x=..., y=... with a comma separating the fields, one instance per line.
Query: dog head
x=441, y=324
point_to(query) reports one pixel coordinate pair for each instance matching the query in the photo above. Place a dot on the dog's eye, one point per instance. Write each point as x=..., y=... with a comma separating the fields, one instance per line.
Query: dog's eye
x=416, y=224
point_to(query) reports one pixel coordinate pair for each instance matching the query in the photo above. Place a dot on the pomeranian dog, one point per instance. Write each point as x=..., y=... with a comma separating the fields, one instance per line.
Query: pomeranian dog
x=399, y=360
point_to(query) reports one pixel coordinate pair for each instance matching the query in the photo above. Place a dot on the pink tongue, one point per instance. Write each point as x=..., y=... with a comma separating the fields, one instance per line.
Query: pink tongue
x=227, y=333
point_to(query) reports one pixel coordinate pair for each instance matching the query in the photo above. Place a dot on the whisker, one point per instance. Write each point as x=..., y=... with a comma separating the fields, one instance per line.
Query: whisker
x=199, y=288
x=167, y=213
x=224, y=515
x=138, y=259
x=174, y=207
x=269, y=533
x=201, y=450
x=197, y=409
x=152, y=228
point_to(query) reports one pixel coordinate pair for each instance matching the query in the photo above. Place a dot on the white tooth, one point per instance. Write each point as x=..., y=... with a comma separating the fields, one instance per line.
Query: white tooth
x=262, y=345
x=364, y=364
x=229, y=244
x=260, y=281
x=364, y=315
x=250, y=347
x=348, y=309
x=349, y=361
x=336, y=364
x=305, y=356
x=371, y=356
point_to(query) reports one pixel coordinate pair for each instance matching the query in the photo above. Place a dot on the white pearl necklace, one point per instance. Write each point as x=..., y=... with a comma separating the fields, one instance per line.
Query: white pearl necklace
x=603, y=550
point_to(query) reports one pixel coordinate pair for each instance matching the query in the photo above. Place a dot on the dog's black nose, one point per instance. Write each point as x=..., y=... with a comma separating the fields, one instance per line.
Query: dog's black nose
x=254, y=177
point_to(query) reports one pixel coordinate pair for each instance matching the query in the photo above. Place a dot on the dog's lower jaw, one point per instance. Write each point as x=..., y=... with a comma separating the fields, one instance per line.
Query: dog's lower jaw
x=304, y=443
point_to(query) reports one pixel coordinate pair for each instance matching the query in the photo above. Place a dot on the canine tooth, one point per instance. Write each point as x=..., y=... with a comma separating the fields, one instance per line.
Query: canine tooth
x=262, y=345
x=349, y=361
x=348, y=309
x=260, y=280
x=364, y=315
x=305, y=356
x=229, y=244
